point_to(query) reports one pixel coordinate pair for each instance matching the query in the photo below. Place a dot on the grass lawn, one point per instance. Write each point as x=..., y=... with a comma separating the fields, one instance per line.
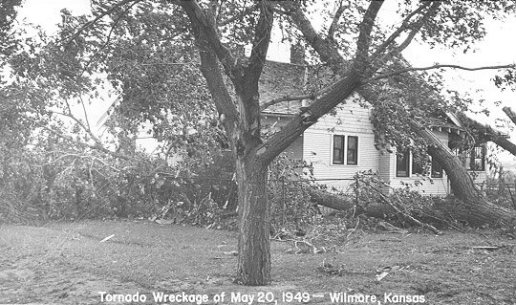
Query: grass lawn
x=65, y=263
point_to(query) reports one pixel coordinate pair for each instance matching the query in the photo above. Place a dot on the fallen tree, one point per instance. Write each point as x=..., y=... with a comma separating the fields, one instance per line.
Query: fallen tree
x=440, y=212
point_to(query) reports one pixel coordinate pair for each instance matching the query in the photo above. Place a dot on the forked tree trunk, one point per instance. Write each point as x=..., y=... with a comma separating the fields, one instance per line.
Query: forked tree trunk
x=254, y=259
x=476, y=210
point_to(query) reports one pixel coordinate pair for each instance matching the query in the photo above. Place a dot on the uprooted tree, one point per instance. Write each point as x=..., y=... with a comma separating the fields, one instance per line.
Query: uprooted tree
x=359, y=49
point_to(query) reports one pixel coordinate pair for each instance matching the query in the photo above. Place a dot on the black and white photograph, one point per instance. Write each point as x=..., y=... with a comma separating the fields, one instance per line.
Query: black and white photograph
x=241, y=152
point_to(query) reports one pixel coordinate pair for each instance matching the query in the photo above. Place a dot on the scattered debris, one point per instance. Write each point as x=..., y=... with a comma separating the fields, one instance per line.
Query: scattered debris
x=107, y=238
x=486, y=248
x=164, y=221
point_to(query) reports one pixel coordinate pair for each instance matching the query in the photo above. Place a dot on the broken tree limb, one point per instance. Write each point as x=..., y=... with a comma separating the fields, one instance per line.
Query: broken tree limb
x=510, y=114
x=487, y=133
x=406, y=215
x=342, y=203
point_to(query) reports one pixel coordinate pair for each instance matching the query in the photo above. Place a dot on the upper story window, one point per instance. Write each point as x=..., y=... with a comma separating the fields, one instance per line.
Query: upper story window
x=352, y=158
x=338, y=149
x=345, y=149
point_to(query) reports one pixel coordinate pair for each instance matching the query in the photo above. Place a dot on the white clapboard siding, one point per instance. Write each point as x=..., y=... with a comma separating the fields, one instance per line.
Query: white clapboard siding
x=350, y=120
x=351, y=117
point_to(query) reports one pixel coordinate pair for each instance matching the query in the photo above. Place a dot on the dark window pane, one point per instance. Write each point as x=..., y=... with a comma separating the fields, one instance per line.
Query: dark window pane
x=437, y=170
x=402, y=164
x=352, y=150
x=338, y=149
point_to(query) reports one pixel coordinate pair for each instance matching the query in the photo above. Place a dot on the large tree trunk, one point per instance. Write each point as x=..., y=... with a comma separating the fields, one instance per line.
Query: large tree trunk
x=476, y=210
x=254, y=259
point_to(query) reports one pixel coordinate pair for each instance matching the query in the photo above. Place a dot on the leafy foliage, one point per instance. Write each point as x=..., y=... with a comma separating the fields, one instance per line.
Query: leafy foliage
x=290, y=202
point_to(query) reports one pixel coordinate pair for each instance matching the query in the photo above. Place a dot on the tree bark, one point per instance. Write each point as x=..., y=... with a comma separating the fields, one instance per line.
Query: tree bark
x=510, y=114
x=254, y=259
x=476, y=210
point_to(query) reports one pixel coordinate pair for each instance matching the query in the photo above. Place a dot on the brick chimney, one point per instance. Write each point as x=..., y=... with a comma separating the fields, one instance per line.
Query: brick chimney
x=297, y=54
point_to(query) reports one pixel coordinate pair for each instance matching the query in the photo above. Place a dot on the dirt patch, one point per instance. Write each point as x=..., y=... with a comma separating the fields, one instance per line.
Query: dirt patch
x=65, y=263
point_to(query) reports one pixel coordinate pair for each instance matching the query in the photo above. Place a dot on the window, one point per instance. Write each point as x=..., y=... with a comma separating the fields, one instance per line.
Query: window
x=478, y=158
x=352, y=158
x=338, y=149
x=402, y=164
x=419, y=164
x=437, y=170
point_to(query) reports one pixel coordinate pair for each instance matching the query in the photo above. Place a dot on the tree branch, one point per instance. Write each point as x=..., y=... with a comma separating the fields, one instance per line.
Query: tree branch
x=323, y=47
x=85, y=145
x=487, y=133
x=81, y=124
x=90, y=23
x=85, y=113
x=415, y=29
x=339, y=92
x=239, y=16
x=365, y=28
x=438, y=66
x=261, y=43
x=335, y=22
x=203, y=26
x=510, y=114
x=210, y=65
x=404, y=26
x=335, y=93
x=286, y=98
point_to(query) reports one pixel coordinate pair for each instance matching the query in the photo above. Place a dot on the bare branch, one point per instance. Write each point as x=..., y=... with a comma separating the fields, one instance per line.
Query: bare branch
x=239, y=16
x=366, y=27
x=163, y=63
x=404, y=26
x=511, y=114
x=81, y=124
x=415, y=29
x=335, y=22
x=79, y=156
x=261, y=43
x=108, y=40
x=85, y=113
x=438, y=66
x=85, y=145
x=90, y=23
x=286, y=98
x=323, y=47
